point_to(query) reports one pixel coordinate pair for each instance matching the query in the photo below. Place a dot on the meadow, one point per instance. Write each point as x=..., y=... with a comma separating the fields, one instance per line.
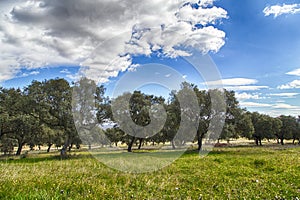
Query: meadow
x=240, y=172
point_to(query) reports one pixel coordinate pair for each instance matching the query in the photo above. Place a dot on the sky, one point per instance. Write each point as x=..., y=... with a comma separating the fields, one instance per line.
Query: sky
x=253, y=45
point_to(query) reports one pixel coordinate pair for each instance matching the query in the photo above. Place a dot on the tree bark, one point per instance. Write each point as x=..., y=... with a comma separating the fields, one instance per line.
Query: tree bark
x=129, y=149
x=199, y=143
x=20, y=146
x=49, y=147
x=141, y=142
x=173, y=144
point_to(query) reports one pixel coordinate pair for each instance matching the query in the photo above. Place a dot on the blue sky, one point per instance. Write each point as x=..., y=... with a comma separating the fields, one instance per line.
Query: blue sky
x=254, y=44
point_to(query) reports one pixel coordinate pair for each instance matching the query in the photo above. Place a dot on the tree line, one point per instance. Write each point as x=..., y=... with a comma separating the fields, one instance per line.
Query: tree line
x=45, y=114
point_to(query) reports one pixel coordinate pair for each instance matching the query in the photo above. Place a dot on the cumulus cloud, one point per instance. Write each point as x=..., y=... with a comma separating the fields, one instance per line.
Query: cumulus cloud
x=278, y=10
x=295, y=72
x=291, y=85
x=102, y=36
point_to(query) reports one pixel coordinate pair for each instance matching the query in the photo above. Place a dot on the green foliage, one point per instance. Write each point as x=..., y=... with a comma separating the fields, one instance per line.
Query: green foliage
x=52, y=112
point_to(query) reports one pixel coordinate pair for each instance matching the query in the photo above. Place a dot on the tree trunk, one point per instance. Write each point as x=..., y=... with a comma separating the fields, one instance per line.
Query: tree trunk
x=20, y=146
x=129, y=149
x=70, y=147
x=90, y=146
x=294, y=141
x=49, y=147
x=173, y=144
x=281, y=141
x=63, y=151
x=260, y=142
x=141, y=142
x=199, y=143
x=256, y=141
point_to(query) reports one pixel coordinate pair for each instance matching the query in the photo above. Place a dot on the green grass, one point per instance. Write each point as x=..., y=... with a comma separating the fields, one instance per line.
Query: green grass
x=225, y=173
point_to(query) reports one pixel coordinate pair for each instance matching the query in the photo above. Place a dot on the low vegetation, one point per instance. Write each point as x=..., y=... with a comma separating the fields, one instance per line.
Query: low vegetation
x=225, y=173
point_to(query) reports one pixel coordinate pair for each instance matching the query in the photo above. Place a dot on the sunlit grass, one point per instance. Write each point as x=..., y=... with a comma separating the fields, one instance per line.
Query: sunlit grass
x=225, y=173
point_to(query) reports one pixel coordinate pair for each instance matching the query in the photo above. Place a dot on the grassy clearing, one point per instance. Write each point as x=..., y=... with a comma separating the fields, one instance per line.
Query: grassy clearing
x=226, y=173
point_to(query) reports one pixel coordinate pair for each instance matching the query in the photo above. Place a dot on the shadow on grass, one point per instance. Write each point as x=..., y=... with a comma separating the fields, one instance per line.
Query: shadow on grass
x=35, y=158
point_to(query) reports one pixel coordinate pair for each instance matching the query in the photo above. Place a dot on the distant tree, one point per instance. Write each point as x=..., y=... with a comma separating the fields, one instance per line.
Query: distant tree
x=132, y=115
x=289, y=128
x=58, y=96
x=296, y=132
x=114, y=135
x=265, y=127
x=260, y=125
x=205, y=115
x=7, y=145
x=244, y=125
x=173, y=120
x=275, y=128
x=17, y=122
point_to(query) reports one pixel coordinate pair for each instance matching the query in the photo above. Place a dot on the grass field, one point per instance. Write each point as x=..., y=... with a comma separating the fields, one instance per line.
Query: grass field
x=225, y=173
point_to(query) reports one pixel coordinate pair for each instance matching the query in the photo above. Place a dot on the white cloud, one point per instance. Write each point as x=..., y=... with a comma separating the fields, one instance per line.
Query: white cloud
x=244, y=96
x=65, y=71
x=102, y=35
x=25, y=74
x=133, y=67
x=238, y=84
x=286, y=95
x=278, y=10
x=285, y=106
x=295, y=72
x=254, y=104
x=34, y=73
x=246, y=87
x=233, y=82
x=239, y=81
x=291, y=85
